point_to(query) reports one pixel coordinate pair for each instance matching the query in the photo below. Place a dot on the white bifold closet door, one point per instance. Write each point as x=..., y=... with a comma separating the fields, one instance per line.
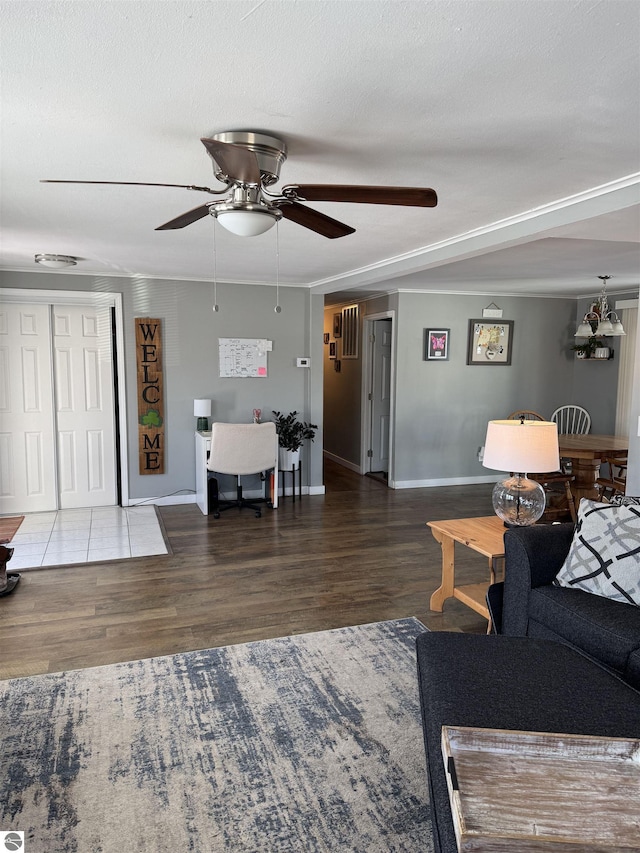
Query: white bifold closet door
x=57, y=423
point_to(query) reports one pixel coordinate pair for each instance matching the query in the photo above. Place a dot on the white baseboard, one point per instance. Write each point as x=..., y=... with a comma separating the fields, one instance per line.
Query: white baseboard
x=444, y=481
x=174, y=500
x=165, y=500
x=171, y=500
x=345, y=464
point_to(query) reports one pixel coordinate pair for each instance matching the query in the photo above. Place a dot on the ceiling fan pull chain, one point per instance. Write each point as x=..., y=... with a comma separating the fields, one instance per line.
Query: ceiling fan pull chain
x=215, y=276
x=277, y=309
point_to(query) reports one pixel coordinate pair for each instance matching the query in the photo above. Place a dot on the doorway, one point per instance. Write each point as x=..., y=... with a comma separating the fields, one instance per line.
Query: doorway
x=377, y=409
x=61, y=416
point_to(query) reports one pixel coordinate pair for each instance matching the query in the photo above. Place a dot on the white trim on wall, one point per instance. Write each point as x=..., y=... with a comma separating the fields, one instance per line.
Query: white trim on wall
x=365, y=405
x=344, y=462
x=445, y=481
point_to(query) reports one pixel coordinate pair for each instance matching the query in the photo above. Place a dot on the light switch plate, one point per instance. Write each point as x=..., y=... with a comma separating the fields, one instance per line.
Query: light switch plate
x=303, y=362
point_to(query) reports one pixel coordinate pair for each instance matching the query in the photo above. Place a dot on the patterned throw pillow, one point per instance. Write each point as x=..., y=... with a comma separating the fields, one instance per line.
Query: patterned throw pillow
x=624, y=500
x=604, y=557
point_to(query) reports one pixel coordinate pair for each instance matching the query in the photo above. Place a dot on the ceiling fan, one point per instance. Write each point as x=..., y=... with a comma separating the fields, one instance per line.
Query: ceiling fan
x=248, y=163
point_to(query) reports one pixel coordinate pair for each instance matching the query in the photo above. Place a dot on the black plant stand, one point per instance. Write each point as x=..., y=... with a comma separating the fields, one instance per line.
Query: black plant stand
x=293, y=471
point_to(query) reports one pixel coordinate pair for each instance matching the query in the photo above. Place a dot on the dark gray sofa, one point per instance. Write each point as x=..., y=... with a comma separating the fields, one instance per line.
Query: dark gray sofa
x=568, y=661
x=606, y=631
x=491, y=681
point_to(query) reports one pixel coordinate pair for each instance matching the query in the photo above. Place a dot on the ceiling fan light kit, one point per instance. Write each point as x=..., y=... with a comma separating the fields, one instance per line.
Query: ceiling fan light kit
x=248, y=163
x=55, y=262
x=245, y=222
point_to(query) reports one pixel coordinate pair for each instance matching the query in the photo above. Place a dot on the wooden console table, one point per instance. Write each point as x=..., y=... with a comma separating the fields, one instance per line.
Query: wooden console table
x=484, y=535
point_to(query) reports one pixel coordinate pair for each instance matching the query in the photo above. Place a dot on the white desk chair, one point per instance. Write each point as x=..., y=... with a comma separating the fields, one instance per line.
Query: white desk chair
x=240, y=449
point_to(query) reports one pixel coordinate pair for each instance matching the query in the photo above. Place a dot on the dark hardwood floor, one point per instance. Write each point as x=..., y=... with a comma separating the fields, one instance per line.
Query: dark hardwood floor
x=360, y=553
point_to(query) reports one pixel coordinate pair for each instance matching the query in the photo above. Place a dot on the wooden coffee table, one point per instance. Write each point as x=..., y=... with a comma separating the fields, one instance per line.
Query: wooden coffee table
x=484, y=535
x=536, y=792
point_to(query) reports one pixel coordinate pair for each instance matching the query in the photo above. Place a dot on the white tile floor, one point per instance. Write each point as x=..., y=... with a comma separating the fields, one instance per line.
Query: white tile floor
x=85, y=536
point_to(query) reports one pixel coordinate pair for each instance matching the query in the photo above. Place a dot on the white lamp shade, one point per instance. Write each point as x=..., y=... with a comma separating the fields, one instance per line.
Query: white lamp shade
x=605, y=327
x=529, y=448
x=202, y=408
x=246, y=223
x=584, y=330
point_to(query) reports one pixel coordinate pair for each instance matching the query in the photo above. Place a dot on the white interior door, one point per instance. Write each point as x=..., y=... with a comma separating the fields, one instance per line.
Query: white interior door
x=27, y=433
x=380, y=395
x=85, y=406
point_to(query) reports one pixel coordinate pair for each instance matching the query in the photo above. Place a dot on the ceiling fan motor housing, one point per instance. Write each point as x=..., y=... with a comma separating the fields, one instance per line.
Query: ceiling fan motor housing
x=270, y=152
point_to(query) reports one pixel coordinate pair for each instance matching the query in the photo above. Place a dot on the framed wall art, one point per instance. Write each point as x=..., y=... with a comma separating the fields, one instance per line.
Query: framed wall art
x=337, y=325
x=332, y=350
x=436, y=344
x=490, y=342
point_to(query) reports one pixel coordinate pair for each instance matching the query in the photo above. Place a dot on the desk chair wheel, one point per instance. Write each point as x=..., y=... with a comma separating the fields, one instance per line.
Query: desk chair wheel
x=216, y=514
x=258, y=514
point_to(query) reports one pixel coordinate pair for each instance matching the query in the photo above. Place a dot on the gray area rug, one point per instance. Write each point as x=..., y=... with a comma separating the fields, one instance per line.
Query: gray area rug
x=300, y=744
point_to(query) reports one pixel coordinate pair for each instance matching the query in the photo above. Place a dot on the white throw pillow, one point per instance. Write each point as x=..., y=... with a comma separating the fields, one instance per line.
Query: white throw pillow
x=604, y=557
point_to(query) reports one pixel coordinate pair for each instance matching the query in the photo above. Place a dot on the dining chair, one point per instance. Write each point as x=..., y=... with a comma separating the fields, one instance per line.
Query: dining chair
x=527, y=414
x=572, y=420
x=613, y=479
x=559, y=501
x=242, y=449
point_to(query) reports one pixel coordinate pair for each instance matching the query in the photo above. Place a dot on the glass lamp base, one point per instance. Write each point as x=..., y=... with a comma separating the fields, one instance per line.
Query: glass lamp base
x=518, y=501
x=202, y=425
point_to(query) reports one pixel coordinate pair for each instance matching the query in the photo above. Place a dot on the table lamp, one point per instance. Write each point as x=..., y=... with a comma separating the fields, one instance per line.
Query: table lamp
x=525, y=446
x=202, y=411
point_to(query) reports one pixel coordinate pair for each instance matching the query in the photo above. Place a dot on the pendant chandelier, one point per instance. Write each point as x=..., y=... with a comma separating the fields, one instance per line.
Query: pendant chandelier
x=600, y=320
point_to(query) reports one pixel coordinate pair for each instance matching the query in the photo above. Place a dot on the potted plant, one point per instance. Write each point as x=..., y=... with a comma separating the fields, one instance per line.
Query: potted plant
x=291, y=434
x=588, y=348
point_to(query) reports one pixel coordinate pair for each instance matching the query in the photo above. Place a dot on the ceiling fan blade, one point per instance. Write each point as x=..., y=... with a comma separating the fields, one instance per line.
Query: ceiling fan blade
x=236, y=162
x=135, y=184
x=314, y=220
x=406, y=196
x=185, y=218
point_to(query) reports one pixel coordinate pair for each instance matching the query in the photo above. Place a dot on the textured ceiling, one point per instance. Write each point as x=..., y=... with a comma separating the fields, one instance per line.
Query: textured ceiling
x=524, y=116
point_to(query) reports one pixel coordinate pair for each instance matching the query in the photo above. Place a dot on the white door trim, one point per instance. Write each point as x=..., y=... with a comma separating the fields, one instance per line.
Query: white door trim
x=104, y=299
x=365, y=403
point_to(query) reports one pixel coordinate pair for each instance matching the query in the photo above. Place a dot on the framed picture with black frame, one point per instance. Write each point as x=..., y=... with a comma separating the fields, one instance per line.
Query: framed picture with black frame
x=490, y=342
x=436, y=344
x=337, y=325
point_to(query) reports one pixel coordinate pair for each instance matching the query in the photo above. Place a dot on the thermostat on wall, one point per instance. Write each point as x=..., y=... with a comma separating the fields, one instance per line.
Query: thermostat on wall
x=303, y=362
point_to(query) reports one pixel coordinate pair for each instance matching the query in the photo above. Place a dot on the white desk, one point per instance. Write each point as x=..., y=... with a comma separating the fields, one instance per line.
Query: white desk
x=203, y=446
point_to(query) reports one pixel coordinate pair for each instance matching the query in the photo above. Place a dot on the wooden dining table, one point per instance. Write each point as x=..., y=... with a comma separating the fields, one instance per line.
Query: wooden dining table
x=586, y=453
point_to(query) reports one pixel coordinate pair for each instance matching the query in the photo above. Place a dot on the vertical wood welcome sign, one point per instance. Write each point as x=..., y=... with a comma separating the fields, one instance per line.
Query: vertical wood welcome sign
x=150, y=395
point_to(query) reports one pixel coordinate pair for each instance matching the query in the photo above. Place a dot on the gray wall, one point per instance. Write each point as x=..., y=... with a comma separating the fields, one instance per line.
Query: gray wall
x=190, y=344
x=442, y=409
x=633, y=472
x=595, y=382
